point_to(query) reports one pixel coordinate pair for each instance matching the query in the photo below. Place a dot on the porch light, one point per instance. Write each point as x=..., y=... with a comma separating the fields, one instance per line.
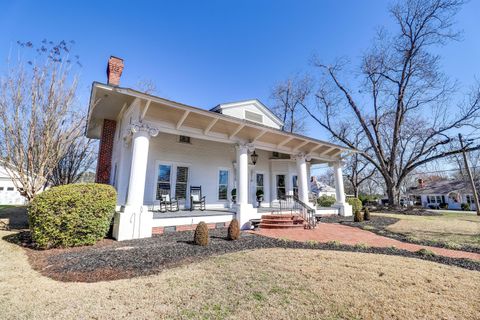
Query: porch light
x=254, y=157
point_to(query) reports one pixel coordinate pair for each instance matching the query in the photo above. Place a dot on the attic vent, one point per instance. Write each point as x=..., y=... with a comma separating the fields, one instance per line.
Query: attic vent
x=252, y=116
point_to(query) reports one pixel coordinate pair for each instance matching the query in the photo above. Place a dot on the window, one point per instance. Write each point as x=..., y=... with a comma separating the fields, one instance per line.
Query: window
x=163, y=180
x=184, y=139
x=223, y=185
x=181, y=183
x=281, y=190
x=10, y=189
x=295, y=185
x=252, y=116
x=469, y=198
x=1, y=188
x=260, y=184
x=435, y=199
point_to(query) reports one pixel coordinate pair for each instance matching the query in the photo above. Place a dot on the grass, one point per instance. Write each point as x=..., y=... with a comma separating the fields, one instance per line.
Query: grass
x=454, y=229
x=255, y=284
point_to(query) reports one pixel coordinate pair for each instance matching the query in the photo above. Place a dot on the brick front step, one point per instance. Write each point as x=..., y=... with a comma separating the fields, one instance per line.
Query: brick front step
x=281, y=226
x=278, y=216
x=280, y=221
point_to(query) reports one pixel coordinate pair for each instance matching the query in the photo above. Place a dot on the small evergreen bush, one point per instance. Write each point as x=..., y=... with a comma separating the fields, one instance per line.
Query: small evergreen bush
x=326, y=201
x=71, y=215
x=233, y=230
x=355, y=203
x=357, y=217
x=366, y=214
x=465, y=206
x=201, y=234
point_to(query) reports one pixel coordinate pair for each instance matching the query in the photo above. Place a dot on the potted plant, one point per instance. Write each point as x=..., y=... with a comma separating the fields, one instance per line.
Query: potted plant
x=234, y=195
x=259, y=196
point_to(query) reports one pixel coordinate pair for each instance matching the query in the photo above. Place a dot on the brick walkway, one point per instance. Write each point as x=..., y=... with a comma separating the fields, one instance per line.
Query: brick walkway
x=325, y=232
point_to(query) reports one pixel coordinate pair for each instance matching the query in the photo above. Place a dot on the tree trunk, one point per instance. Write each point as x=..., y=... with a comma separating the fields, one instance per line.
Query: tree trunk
x=392, y=195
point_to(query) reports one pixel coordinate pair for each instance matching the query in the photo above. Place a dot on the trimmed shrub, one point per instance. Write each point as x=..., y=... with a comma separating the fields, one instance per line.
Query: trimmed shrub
x=465, y=206
x=443, y=205
x=201, y=234
x=71, y=215
x=326, y=201
x=355, y=203
x=233, y=230
x=366, y=214
x=357, y=216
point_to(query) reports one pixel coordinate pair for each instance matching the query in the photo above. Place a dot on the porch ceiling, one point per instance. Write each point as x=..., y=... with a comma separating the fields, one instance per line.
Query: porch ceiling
x=175, y=118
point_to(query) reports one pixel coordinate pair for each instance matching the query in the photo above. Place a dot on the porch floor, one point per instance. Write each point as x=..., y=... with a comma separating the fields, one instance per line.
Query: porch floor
x=189, y=214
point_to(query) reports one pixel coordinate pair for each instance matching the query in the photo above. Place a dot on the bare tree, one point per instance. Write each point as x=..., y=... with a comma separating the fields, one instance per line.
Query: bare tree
x=288, y=97
x=358, y=170
x=77, y=160
x=37, y=122
x=403, y=103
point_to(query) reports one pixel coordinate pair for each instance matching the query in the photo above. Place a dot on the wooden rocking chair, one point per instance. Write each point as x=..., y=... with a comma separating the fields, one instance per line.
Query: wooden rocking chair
x=167, y=202
x=196, y=198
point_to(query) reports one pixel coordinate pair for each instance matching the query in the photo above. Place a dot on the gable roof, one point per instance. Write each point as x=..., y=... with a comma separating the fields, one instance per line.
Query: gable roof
x=269, y=113
x=443, y=187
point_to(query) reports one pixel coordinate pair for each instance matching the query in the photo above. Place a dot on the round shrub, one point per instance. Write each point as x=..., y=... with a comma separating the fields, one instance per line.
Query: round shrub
x=233, y=230
x=325, y=201
x=71, y=215
x=366, y=214
x=201, y=234
x=357, y=216
x=465, y=206
x=355, y=203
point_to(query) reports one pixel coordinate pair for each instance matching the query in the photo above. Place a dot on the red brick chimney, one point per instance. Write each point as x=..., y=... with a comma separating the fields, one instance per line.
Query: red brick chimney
x=104, y=163
x=421, y=183
x=114, y=70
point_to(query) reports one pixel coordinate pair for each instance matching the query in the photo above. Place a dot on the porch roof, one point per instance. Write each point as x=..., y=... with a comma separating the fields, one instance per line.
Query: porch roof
x=110, y=102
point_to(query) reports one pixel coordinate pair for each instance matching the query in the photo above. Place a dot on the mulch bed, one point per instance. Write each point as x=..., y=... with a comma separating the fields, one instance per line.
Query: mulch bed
x=110, y=260
x=378, y=225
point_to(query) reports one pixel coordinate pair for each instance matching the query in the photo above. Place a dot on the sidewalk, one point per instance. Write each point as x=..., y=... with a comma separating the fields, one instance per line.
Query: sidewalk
x=325, y=232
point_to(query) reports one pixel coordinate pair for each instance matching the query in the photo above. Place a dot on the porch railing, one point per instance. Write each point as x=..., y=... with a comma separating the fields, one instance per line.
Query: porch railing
x=293, y=204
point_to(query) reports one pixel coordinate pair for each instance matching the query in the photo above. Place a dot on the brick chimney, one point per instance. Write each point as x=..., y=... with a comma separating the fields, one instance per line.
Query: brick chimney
x=421, y=183
x=114, y=70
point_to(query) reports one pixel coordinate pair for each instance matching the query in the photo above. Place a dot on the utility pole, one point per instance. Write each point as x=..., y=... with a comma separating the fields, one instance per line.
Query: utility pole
x=467, y=168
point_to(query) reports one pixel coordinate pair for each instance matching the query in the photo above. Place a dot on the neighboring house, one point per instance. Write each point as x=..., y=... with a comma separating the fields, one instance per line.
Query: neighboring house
x=434, y=194
x=151, y=146
x=321, y=189
x=9, y=194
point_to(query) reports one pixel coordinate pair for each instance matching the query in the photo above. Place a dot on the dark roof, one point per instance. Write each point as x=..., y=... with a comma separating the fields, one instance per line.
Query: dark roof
x=443, y=187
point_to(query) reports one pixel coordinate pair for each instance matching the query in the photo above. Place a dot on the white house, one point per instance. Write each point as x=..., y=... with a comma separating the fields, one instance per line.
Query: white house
x=437, y=194
x=9, y=194
x=149, y=144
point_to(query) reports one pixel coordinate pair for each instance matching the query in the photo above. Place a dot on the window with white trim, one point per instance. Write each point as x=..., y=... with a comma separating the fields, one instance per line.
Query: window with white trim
x=223, y=185
x=260, y=182
x=163, y=179
x=295, y=185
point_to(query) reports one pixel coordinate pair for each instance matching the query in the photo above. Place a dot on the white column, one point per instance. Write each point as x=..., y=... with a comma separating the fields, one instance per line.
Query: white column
x=242, y=163
x=135, y=221
x=339, y=189
x=302, y=178
x=245, y=210
x=136, y=185
x=343, y=207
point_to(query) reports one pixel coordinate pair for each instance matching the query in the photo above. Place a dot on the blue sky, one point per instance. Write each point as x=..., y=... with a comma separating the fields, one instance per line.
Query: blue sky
x=207, y=52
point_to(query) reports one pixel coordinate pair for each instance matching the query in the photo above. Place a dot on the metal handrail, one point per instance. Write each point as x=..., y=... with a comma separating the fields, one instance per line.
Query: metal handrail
x=295, y=205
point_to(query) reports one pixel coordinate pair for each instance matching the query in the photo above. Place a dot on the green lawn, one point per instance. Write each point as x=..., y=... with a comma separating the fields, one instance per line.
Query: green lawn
x=454, y=229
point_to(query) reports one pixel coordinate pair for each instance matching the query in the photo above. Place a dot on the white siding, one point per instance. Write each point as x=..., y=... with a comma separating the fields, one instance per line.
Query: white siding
x=239, y=112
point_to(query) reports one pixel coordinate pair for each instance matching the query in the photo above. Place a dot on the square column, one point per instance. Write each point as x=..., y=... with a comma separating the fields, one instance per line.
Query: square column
x=135, y=221
x=344, y=209
x=245, y=211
